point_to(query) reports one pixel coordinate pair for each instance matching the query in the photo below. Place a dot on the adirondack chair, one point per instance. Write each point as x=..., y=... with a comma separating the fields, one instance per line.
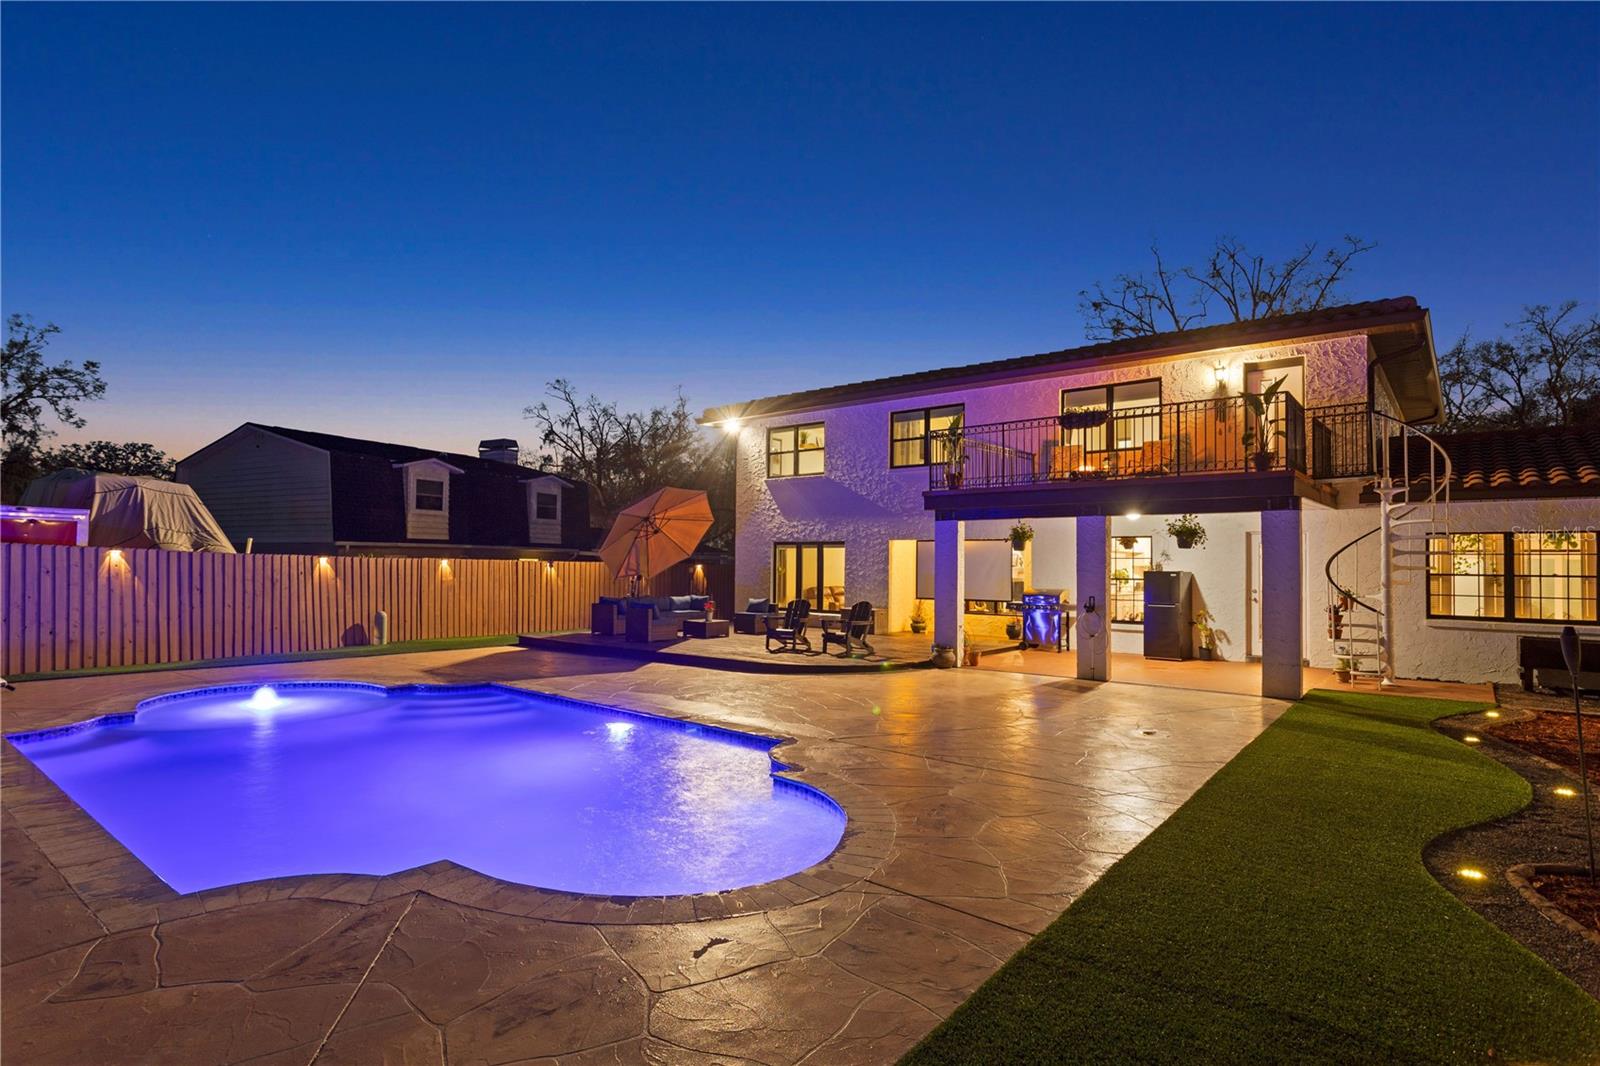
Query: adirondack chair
x=790, y=633
x=850, y=631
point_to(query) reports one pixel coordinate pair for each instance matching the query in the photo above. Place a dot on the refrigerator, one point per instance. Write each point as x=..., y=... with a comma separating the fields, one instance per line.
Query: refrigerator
x=1168, y=614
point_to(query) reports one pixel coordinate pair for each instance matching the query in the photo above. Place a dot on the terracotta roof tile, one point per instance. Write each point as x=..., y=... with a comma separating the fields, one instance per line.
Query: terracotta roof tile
x=1560, y=460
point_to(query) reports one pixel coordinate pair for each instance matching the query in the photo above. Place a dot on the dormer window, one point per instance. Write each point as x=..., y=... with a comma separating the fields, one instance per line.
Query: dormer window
x=544, y=510
x=428, y=494
x=426, y=483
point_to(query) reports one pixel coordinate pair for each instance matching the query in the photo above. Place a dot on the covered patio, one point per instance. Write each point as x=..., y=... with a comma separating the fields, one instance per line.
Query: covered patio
x=1269, y=575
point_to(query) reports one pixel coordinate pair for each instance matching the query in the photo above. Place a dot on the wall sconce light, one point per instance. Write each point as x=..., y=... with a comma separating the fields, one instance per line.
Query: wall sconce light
x=1133, y=516
x=731, y=426
x=699, y=569
x=444, y=569
x=322, y=560
x=549, y=567
x=1220, y=371
x=114, y=556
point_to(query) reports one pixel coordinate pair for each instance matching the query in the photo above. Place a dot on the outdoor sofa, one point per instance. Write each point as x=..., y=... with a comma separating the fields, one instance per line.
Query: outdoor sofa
x=662, y=617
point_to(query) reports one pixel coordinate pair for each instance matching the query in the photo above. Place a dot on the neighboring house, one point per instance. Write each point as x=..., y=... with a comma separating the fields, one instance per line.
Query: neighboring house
x=903, y=489
x=292, y=490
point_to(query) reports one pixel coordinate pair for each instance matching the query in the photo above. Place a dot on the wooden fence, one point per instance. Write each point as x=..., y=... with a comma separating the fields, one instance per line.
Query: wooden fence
x=69, y=608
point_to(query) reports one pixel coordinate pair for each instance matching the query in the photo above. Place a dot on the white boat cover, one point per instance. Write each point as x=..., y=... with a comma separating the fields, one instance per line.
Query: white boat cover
x=132, y=512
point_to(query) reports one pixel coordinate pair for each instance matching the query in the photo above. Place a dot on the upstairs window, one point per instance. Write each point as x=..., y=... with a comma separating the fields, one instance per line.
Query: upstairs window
x=795, y=451
x=911, y=434
x=546, y=506
x=427, y=494
x=1132, y=414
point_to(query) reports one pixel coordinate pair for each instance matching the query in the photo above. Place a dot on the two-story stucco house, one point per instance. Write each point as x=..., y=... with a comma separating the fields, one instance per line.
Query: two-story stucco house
x=1335, y=529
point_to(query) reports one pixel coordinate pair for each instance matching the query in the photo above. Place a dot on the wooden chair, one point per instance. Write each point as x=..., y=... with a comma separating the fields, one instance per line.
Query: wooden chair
x=850, y=631
x=790, y=633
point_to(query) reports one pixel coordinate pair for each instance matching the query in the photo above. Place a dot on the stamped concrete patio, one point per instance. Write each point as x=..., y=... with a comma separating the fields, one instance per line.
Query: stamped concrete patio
x=981, y=804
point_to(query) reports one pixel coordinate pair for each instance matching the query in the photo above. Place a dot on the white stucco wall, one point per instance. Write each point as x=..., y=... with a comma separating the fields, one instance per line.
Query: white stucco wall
x=1438, y=648
x=863, y=503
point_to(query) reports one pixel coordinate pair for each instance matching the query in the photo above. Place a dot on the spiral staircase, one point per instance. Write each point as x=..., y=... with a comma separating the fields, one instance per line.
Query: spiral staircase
x=1411, y=477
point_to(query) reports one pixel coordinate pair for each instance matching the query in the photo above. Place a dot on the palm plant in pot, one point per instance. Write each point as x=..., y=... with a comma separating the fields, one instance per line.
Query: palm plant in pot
x=1207, y=648
x=1187, y=531
x=1259, y=432
x=955, y=455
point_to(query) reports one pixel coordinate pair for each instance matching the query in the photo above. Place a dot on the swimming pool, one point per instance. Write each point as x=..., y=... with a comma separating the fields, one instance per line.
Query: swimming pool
x=225, y=785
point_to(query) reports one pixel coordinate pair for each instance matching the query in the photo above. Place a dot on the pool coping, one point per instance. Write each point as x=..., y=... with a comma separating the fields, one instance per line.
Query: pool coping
x=125, y=894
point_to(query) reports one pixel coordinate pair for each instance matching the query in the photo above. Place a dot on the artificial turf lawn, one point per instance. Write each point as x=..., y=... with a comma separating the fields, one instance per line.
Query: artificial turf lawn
x=1284, y=914
x=355, y=651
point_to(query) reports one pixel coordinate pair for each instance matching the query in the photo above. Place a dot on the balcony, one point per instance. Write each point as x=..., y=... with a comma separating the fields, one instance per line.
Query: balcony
x=1196, y=437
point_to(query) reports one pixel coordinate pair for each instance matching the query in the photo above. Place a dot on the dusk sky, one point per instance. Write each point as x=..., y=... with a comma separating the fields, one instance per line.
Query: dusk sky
x=400, y=221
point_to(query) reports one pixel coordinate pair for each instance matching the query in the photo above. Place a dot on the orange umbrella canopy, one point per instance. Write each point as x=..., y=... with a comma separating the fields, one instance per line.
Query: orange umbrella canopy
x=658, y=531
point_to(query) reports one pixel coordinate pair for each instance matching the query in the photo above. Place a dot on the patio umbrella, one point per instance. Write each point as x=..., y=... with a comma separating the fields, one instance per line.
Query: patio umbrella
x=651, y=535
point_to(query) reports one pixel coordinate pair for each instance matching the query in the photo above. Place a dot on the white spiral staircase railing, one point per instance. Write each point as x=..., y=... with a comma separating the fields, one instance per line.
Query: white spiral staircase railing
x=1413, y=503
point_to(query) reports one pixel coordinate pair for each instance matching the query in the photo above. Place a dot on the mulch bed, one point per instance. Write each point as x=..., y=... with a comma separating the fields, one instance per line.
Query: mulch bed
x=1575, y=894
x=1548, y=831
x=1553, y=734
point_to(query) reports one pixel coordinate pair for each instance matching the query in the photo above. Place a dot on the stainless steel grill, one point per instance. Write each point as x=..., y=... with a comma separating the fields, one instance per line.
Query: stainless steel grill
x=1045, y=620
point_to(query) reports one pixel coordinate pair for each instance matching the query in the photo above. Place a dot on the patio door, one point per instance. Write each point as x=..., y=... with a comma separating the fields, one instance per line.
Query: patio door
x=1258, y=376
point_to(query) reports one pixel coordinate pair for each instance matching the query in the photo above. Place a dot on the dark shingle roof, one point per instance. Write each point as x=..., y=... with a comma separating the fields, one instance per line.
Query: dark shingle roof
x=1559, y=460
x=1228, y=334
x=400, y=453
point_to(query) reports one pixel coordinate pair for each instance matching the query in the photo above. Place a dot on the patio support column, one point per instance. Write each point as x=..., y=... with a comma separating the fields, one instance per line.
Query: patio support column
x=1282, y=605
x=950, y=585
x=1093, y=638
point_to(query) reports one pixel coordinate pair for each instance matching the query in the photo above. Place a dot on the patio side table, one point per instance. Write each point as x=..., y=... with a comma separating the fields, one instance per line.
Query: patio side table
x=704, y=628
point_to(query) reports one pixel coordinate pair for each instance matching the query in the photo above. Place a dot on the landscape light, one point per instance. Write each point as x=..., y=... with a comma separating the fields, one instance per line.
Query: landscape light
x=1470, y=739
x=1471, y=873
x=1491, y=714
x=1565, y=791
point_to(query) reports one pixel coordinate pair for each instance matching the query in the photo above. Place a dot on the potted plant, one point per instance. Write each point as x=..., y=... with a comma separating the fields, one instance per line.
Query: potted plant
x=919, y=619
x=1021, y=534
x=1187, y=531
x=1014, y=629
x=1127, y=542
x=944, y=656
x=955, y=463
x=1259, y=432
x=1341, y=668
x=1207, y=633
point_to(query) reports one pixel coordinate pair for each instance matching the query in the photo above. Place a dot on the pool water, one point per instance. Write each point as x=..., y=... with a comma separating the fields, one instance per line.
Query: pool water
x=221, y=786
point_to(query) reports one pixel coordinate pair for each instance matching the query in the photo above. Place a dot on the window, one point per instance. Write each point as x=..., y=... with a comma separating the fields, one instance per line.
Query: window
x=1467, y=576
x=795, y=451
x=1133, y=414
x=1552, y=576
x=1130, y=558
x=427, y=494
x=909, y=433
x=810, y=572
x=546, y=506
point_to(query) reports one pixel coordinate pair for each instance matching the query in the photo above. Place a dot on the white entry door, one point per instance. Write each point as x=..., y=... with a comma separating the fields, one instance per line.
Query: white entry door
x=1252, y=595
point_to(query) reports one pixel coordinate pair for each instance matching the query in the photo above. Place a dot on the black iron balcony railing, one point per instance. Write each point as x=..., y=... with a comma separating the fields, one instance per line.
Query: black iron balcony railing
x=1229, y=434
